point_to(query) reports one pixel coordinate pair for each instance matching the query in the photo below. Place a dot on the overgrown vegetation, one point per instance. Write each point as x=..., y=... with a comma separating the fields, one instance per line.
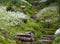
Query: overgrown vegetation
x=18, y=17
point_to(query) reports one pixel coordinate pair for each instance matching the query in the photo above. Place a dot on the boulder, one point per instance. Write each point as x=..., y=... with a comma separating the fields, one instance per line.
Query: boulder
x=57, y=33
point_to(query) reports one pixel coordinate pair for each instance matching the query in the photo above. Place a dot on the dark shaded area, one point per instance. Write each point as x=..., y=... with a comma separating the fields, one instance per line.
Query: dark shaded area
x=24, y=20
x=9, y=8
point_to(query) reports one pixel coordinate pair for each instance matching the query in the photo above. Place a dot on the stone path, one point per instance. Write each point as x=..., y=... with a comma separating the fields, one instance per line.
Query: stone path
x=46, y=39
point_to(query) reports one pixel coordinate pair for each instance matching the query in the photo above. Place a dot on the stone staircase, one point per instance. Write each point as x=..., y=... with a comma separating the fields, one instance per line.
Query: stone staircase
x=46, y=39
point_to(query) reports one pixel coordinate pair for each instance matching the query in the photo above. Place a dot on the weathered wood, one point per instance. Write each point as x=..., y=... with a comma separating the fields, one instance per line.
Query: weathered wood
x=50, y=37
x=47, y=39
x=25, y=37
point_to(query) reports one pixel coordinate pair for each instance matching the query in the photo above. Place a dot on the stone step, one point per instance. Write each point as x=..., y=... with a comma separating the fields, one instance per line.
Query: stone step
x=48, y=37
x=49, y=32
x=45, y=40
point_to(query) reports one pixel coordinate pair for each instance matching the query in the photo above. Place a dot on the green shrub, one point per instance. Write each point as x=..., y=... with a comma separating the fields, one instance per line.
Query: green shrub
x=57, y=40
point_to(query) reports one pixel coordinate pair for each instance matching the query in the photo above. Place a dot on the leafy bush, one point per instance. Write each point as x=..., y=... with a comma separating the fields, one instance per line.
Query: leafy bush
x=57, y=40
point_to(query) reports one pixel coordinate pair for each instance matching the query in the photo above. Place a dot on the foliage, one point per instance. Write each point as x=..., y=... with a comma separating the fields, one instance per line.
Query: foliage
x=15, y=25
x=48, y=17
x=57, y=40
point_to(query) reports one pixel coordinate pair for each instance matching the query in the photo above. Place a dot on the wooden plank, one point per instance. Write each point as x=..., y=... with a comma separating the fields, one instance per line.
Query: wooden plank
x=27, y=37
x=24, y=35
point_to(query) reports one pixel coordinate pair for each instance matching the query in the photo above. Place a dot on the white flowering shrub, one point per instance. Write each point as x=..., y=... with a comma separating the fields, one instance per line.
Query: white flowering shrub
x=10, y=18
